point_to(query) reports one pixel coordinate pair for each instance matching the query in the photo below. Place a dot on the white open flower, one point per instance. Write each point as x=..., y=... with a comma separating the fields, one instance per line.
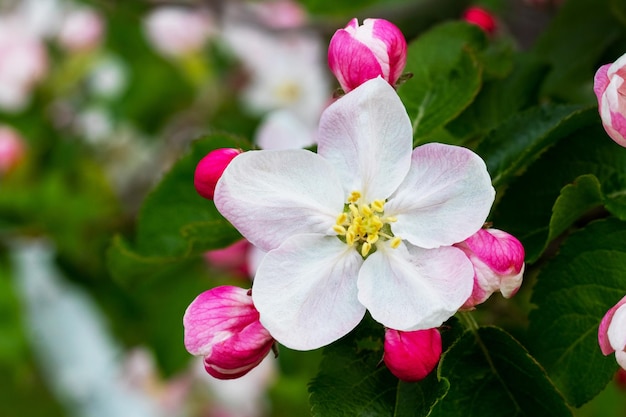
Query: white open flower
x=366, y=223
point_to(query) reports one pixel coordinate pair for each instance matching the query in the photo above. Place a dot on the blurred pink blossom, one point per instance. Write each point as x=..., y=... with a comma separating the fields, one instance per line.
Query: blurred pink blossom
x=12, y=149
x=82, y=30
x=177, y=31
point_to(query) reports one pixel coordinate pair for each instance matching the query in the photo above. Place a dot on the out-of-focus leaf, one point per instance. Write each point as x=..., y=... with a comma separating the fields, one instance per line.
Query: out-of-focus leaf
x=492, y=375
x=572, y=294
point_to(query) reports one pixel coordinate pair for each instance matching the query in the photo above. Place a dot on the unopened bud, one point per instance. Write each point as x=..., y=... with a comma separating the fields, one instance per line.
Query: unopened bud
x=612, y=332
x=360, y=53
x=210, y=169
x=411, y=356
x=12, y=149
x=481, y=18
x=223, y=326
x=498, y=260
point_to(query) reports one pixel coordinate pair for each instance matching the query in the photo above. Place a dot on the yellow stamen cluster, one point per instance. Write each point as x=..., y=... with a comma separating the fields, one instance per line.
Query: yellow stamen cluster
x=362, y=224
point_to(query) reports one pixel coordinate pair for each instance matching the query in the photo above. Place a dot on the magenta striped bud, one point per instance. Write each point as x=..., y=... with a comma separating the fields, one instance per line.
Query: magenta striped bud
x=498, y=260
x=610, y=89
x=376, y=48
x=223, y=326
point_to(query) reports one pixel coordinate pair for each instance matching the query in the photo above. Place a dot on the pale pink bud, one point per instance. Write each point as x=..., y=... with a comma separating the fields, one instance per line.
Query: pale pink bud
x=280, y=14
x=232, y=259
x=223, y=326
x=210, y=169
x=411, y=356
x=176, y=31
x=12, y=149
x=498, y=260
x=82, y=30
x=610, y=89
x=481, y=18
x=612, y=332
x=359, y=53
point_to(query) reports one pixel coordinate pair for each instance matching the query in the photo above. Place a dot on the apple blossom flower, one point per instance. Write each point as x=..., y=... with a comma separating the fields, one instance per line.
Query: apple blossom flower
x=366, y=223
x=480, y=17
x=12, y=149
x=608, y=84
x=177, y=31
x=358, y=53
x=411, y=356
x=82, y=30
x=222, y=325
x=612, y=332
x=210, y=169
x=498, y=260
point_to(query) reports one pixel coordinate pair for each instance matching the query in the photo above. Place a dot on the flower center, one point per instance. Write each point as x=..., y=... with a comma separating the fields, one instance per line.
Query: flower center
x=288, y=92
x=363, y=224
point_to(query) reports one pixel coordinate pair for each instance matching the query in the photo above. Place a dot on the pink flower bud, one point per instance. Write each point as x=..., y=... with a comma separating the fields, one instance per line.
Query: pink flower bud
x=612, y=332
x=498, y=260
x=82, y=30
x=411, y=356
x=12, y=149
x=481, y=18
x=359, y=53
x=210, y=169
x=223, y=325
x=610, y=89
x=232, y=259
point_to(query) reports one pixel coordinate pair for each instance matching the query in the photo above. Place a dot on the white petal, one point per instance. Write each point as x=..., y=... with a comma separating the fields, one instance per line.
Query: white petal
x=445, y=198
x=410, y=288
x=271, y=195
x=306, y=291
x=367, y=136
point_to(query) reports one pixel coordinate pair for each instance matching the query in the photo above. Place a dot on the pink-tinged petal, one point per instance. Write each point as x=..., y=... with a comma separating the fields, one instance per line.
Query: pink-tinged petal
x=272, y=195
x=620, y=357
x=410, y=288
x=394, y=40
x=617, y=329
x=366, y=135
x=232, y=259
x=411, y=356
x=306, y=291
x=216, y=315
x=352, y=62
x=210, y=169
x=603, y=339
x=445, y=198
x=601, y=81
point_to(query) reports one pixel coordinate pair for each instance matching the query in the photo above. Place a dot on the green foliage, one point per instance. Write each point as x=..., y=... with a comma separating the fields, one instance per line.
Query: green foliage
x=175, y=223
x=491, y=374
x=572, y=295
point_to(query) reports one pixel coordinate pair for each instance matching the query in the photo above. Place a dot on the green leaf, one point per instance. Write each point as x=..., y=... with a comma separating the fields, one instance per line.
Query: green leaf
x=353, y=381
x=572, y=294
x=446, y=75
x=174, y=223
x=491, y=375
x=548, y=198
x=515, y=144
